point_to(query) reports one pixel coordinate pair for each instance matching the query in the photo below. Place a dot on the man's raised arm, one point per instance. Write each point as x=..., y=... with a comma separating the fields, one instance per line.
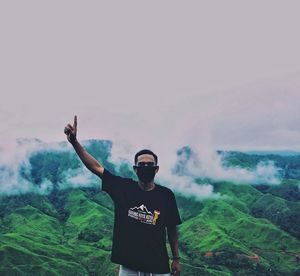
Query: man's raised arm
x=88, y=160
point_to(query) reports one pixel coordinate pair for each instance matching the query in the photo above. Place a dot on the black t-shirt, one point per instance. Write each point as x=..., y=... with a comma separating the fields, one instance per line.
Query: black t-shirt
x=141, y=218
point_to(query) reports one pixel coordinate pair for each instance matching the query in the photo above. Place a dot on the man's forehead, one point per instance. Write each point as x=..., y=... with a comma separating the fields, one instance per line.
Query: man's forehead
x=146, y=158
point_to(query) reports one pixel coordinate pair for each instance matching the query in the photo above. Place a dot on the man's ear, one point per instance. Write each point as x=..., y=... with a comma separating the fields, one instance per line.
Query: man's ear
x=157, y=169
x=134, y=168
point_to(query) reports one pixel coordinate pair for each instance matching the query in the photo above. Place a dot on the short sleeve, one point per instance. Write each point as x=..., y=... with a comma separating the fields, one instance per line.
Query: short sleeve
x=173, y=217
x=112, y=184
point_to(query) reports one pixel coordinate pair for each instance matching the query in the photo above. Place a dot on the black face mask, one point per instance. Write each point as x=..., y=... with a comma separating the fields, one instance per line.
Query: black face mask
x=145, y=173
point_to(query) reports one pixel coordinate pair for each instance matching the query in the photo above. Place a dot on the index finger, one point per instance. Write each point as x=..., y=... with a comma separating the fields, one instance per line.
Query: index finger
x=75, y=121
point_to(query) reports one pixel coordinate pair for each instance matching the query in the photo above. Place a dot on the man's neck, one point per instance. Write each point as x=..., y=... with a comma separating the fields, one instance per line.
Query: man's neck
x=147, y=186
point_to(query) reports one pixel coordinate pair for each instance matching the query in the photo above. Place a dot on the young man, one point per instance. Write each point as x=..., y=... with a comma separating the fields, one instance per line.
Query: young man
x=144, y=212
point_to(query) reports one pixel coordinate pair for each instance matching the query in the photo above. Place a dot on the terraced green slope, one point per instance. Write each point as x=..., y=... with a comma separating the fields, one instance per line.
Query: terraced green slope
x=248, y=231
x=223, y=228
x=35, y=243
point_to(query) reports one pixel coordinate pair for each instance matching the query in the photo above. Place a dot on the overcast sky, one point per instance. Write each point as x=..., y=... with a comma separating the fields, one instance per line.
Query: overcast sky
x=224, y=73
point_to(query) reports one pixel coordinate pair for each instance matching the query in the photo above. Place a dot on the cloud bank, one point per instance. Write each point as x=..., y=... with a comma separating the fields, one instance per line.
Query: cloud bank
x=203, y=162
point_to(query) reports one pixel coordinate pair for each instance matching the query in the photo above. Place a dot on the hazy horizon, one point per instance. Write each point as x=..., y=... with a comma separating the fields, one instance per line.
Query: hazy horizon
x=226, y=76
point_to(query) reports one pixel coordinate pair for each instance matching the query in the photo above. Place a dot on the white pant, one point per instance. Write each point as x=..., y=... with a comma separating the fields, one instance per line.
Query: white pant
x=124, y=271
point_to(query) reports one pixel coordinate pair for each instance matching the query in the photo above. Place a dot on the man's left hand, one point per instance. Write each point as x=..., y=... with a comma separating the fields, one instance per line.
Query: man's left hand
x=175, y=267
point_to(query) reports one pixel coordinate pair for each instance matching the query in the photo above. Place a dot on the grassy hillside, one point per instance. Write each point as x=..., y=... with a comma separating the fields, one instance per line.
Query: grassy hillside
x=250, y=230
x=32, y=240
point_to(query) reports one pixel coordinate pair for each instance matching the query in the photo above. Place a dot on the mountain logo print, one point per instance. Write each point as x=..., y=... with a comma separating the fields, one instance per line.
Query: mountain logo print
x=143, y=215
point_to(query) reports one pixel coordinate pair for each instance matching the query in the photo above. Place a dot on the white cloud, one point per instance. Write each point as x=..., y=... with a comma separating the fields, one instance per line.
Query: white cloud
x=184, y=76
x=207, y=76
x=81, y=177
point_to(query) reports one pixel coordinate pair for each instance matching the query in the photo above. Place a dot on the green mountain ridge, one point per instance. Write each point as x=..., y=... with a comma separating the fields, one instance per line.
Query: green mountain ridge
x=250, y=230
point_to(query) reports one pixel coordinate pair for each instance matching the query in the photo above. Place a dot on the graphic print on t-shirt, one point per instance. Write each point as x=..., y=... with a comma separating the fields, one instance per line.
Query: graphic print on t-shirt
x=142, y=214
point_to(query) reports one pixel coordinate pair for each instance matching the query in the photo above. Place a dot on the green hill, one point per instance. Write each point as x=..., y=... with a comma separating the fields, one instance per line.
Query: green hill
x=249, y=230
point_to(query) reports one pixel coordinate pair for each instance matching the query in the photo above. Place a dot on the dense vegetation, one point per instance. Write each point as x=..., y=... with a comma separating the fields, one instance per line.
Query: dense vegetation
x=251, y=230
